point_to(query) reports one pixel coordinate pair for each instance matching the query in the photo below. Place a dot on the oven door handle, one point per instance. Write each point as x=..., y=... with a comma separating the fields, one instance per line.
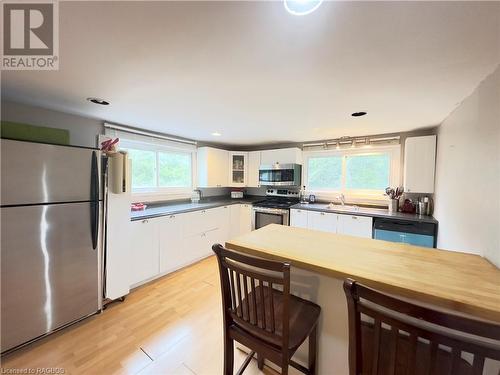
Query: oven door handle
x=278, y=211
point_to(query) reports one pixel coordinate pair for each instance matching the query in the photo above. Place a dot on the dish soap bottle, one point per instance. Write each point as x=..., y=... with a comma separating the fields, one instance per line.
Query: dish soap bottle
x=302, y=196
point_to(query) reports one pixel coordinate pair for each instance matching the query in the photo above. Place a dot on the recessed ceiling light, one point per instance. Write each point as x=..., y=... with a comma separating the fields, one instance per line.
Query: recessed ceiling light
x=216, y=134
x=98, y=101
x=301, y=7
x=358, y=114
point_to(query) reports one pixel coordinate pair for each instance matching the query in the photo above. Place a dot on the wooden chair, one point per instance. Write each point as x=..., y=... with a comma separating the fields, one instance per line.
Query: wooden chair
x=270, y=322
x=398, y=337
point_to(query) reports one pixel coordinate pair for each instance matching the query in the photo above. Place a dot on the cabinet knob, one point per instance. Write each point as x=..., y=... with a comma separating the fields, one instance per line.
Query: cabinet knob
x=171, y=216
x=354, y=217
x=145, y=221
x=322, y=213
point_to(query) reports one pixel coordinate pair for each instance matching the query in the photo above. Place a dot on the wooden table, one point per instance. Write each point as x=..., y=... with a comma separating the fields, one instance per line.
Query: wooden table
x=464, y=283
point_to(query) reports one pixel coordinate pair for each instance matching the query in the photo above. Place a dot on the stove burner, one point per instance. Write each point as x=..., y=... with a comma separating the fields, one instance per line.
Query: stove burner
x=276, y=202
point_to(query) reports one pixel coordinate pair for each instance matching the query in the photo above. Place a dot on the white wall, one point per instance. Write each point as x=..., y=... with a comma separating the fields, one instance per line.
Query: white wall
x=82, y=130
x=468, y=174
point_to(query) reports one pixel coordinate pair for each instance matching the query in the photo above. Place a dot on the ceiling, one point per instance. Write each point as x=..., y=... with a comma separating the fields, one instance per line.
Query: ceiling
x=256, y=74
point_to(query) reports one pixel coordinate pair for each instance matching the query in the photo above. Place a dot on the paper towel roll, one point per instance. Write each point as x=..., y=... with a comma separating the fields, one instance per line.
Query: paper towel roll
x=115, y=178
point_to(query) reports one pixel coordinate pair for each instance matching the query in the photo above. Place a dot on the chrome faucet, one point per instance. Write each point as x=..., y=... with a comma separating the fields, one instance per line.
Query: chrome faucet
x=199, y=192
x=341, y=198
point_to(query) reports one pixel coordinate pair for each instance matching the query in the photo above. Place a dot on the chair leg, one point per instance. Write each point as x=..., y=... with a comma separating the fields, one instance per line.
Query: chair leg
x=284, y=368
x=313, y=338
x=260, y=361
x=228, y=356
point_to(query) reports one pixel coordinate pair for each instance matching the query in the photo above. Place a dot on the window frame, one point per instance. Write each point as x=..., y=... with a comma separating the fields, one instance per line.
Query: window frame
x=367, y=196
x=158, y=192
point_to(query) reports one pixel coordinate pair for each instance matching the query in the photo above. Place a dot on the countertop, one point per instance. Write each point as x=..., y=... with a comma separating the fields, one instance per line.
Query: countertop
x=363, y=211
x=461, y=282
x=177, y=207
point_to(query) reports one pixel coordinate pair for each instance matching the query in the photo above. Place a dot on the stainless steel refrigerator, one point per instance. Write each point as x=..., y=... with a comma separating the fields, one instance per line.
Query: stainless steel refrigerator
x=51, y=220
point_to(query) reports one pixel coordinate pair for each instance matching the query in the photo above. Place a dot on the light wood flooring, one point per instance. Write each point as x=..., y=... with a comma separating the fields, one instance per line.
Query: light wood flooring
x=172, y=325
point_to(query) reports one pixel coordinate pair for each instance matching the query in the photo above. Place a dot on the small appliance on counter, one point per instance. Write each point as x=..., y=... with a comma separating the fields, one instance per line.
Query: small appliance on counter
x=237, y=194
x=424, y=206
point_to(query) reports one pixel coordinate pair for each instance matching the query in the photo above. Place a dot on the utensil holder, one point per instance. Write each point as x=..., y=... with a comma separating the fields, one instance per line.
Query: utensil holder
x=393, y=205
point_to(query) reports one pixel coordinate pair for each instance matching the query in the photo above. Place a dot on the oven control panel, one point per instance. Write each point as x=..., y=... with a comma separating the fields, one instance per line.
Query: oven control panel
x=282, y=193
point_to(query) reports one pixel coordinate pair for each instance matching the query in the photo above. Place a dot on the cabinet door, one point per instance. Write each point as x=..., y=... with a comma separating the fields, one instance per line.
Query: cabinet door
x=352, y=225
x=172, y=254
x=420, y=164
x=223, y=217
x=282, y=156
x=253, y=169
x=245, y=218
x=212, y=168
x=144, y=250
x=196, y=246
x=238, y=169
x=324, y=221
x=298, y=218
x=235, y=217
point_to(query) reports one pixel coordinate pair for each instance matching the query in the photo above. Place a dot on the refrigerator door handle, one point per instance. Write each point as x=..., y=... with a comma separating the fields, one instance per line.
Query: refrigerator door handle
x=94, y=200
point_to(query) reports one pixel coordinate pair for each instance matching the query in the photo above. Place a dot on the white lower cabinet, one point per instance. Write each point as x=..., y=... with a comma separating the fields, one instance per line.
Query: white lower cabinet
x=298, y=218
x=234, y=219
x=352, y=225
x=144, y=250
x=324, y=221
x=245, y=218
x=172, y=254
x=165, y=244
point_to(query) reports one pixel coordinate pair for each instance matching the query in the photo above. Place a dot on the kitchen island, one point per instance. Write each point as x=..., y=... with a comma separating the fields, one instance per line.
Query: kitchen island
x=463, y=283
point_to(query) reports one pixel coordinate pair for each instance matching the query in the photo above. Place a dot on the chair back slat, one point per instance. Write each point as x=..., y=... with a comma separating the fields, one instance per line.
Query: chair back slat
x=232, y=288
x=254, y=301
x=271, y=307
x=478, y=365
x=420, y=340
x=376, y=342
x=262, y=304
x=393, y=350
x=247, y=285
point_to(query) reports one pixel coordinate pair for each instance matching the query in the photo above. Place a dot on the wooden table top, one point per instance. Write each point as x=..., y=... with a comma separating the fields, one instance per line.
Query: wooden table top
x=464, y=283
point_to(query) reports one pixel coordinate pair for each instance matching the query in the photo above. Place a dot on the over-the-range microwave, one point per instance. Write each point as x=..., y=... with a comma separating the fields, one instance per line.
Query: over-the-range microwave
x=280, y=175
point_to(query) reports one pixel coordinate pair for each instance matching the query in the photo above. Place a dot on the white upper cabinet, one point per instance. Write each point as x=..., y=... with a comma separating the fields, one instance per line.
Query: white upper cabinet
x=253, y=168
x=212, y=167
x=324, y=221
x=238, y=168
x=283, y=156
x=420, y=164
x=358, y=226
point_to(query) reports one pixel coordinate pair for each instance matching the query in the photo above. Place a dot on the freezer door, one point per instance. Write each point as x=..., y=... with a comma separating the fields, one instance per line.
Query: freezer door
x=41, y=173
x=49, y=269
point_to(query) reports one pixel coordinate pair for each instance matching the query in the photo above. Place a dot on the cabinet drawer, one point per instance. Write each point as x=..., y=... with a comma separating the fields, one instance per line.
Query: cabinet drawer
x=353, y=225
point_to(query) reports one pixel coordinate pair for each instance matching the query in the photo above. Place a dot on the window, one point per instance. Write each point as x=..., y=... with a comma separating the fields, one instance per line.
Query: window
x=360, y=174
x=154, y=170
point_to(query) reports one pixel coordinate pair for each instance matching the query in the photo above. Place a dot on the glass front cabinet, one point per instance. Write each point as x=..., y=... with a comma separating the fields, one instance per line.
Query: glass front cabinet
x=238, y=169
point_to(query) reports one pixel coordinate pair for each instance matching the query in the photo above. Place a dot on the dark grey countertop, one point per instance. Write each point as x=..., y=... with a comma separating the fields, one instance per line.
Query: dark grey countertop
x=363, y=211
x=181, y=206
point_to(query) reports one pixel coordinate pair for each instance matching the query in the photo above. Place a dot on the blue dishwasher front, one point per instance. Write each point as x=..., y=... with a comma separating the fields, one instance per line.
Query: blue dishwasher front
x=410, y=238
x=413, y=233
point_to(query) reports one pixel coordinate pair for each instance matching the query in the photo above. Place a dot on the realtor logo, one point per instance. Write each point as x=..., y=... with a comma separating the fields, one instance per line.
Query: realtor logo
x=30, y=35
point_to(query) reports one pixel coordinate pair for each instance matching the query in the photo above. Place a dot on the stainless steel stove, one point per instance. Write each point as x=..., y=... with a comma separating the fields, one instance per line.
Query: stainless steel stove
x=275, y=209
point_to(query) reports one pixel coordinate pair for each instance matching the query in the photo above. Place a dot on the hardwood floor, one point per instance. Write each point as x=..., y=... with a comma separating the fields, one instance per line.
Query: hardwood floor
x=172, y=325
